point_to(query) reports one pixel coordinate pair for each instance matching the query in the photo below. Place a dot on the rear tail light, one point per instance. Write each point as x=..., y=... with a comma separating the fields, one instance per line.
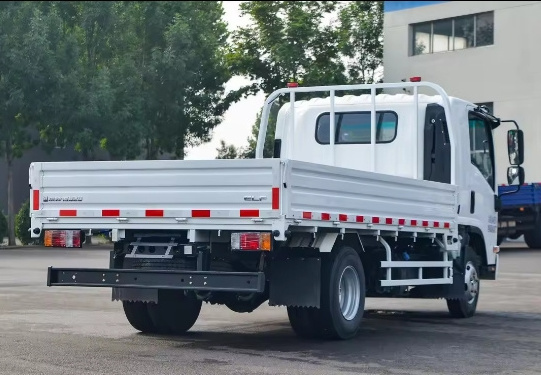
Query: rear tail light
x=62, y=238
x=251, y=241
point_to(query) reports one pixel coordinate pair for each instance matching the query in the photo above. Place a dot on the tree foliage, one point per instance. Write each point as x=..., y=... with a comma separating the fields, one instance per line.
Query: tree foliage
x=150, y=79
x=32, y=63
x=361, y=40
x=227, y=151
x=120, y=80
x=22, y=224
x=287, y=41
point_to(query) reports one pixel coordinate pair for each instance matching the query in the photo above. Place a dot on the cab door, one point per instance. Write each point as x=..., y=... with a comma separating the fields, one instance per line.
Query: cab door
x=482, y=183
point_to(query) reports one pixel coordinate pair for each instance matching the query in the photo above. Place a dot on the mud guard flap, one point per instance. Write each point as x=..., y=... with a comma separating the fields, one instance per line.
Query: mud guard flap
x=135, y=295
x=130, y=294
x=295, y=282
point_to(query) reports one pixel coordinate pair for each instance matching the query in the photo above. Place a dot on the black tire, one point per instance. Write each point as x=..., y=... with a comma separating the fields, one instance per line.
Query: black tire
x=304, y=321
x=500, y=240
x=138, y=317
x=515, y=236
x=466, y=306
x=332, y=323
x=533, y=237
x=175, y=313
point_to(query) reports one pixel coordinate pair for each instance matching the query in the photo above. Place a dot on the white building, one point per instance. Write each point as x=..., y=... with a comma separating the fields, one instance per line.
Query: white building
x=482, y=51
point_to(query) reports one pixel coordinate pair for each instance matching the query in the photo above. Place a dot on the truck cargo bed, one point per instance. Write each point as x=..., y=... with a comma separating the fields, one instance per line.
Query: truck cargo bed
x=232, y=194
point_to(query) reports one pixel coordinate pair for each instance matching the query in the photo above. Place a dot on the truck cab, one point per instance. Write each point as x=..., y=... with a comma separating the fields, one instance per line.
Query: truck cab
x=412, y=140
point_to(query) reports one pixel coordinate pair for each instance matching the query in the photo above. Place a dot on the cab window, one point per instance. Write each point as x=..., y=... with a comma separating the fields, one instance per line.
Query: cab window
x=355, y=127
x=481, y=147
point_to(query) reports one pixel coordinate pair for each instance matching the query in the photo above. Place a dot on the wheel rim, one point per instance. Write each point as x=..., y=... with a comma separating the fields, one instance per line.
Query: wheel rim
x=472, y=282
x=349, y=293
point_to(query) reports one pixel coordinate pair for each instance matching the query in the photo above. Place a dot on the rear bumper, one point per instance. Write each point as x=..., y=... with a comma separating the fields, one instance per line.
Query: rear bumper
x=253, y=282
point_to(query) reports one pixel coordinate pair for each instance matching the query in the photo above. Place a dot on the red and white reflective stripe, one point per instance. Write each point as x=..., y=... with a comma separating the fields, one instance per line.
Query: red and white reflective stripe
x=161, y=213
x=324, y=216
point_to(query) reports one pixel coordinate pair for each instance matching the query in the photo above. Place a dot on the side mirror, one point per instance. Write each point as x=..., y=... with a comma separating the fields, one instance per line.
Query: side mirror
x=515, y=175
x=515, y=147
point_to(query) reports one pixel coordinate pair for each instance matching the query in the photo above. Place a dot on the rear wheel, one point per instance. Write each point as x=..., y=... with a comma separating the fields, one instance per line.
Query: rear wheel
x=138, y=317
x=175, y=312
x=304, y=321
x=466, y=306
x=342, y=295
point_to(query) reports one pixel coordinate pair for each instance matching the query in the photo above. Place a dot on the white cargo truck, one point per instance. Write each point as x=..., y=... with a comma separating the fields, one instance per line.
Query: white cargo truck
x=371, y=195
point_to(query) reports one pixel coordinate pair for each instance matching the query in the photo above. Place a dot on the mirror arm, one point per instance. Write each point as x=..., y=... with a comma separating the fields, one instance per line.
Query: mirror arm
x=511, y=121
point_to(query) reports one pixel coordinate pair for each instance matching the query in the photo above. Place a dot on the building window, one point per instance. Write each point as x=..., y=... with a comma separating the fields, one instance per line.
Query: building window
x=451, y=34
x=354, y=127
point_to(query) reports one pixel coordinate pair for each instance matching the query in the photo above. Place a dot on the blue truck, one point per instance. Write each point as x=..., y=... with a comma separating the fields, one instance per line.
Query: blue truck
x=520, y=214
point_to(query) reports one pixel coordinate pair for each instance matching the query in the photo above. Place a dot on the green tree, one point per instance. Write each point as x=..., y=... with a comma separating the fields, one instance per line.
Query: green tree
x=166, y=77
x=227, y=151
x=268, y=150
x=149, y=81
x=86, y=112
x=22, y=224
x=361, y=39
x=29, y=77
x=287, y=41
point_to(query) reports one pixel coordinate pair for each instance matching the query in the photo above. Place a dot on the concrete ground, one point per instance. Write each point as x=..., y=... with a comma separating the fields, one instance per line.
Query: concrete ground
x=63, y=330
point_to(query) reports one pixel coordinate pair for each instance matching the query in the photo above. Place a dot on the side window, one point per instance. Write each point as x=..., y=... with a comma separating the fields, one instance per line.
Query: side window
x=354, y=127
x=481, y=148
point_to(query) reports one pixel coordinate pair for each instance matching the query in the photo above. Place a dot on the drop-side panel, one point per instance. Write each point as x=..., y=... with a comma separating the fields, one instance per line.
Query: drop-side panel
x=326, y=193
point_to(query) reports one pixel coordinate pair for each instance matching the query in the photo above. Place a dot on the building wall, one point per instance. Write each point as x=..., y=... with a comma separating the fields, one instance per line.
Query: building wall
x=505, y=73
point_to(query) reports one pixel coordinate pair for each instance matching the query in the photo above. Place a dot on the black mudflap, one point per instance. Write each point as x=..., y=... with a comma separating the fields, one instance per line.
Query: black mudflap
x=295, y=282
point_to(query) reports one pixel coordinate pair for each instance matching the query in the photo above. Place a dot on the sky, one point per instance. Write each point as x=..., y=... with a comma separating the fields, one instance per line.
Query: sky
x=237, y=122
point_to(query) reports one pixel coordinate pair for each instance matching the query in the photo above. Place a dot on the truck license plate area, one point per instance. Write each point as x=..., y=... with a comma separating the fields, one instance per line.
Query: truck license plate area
x=159, y=279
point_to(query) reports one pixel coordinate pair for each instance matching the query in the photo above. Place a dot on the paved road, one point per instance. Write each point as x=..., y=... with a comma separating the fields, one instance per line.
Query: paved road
x=80, y=331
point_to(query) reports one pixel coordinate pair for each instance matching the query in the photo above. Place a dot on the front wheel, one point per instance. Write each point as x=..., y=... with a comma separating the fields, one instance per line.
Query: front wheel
x=466, y=306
